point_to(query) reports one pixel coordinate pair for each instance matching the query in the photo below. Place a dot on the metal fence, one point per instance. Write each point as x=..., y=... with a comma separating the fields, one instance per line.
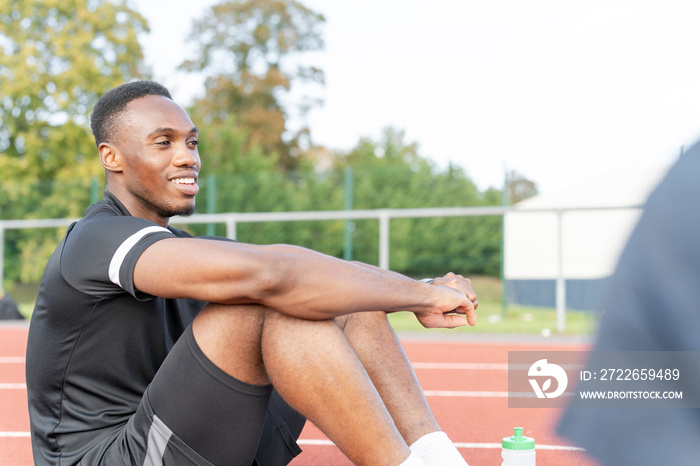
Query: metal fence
x=382, y=216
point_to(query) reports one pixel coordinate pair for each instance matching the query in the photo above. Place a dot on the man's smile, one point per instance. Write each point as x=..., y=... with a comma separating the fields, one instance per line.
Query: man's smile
x=183, y=180
x=186, y=183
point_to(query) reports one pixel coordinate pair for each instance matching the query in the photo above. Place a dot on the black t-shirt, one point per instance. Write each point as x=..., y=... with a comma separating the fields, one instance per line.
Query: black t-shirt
x=95, y=342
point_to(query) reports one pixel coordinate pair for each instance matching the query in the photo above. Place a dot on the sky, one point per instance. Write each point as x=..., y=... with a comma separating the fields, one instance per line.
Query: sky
x=562, y=92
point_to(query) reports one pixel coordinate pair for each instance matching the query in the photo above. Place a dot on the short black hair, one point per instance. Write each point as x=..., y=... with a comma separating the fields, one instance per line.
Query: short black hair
x=107, y=110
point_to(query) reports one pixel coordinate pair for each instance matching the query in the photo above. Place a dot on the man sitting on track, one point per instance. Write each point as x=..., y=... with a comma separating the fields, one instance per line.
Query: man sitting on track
x=149, y=346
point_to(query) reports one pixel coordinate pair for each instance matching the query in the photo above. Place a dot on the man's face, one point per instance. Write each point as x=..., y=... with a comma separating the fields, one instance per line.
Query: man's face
x=160, y=163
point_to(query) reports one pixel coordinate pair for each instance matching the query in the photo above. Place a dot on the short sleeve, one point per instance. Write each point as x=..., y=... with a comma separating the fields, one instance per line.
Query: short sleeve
x=99, y=254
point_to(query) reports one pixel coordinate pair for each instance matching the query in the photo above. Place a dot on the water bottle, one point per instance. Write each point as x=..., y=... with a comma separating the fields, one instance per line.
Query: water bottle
x=518, y=450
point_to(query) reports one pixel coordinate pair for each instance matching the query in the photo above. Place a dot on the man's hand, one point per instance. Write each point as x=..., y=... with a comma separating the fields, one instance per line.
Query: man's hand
x=465, y=305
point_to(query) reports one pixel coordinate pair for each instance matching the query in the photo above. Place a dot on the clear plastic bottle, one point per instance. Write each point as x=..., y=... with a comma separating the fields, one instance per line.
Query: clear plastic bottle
x=518, y=450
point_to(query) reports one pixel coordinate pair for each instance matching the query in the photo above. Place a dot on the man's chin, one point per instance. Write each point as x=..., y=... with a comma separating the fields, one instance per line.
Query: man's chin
x=184, y=211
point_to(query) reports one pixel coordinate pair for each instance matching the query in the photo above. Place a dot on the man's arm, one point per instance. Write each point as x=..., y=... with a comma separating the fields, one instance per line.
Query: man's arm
x=453, y=281
x=292, y=280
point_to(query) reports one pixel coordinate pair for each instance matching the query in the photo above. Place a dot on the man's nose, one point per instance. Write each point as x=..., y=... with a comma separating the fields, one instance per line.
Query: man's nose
x=185, y=157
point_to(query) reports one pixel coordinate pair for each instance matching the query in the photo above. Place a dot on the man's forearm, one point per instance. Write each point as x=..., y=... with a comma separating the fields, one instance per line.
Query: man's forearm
x=295, y=281
x=320, y=286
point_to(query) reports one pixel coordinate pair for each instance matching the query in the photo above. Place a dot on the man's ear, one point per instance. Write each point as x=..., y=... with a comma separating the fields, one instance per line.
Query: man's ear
x=109, y=157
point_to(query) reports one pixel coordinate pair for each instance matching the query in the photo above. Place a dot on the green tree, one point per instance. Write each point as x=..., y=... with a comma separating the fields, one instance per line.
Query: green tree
x=390, y=173
x=56, y=58
x=237, y=179
x=245, y=48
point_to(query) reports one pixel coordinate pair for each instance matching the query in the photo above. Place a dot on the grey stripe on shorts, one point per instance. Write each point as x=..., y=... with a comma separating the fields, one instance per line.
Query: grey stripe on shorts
x=158, y=438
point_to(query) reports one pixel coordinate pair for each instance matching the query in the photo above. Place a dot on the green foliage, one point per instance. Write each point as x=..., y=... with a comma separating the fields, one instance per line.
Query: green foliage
x=248, y=180
x=389, y=173
x=244, y=47
x=518, y=320
x=56, y=59
x=491, y=317
x=255, y=33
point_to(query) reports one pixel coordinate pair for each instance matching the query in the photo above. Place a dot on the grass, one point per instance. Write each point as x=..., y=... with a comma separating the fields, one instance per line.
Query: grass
x=26, y=309
x=516, y=319
x=490, y=316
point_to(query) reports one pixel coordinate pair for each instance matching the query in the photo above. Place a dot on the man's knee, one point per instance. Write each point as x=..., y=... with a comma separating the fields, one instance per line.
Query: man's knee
x=230, y=336
x=376, y=320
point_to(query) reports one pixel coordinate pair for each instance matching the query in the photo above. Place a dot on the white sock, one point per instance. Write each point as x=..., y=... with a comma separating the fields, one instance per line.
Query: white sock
x=413, y=460
x=436, y=449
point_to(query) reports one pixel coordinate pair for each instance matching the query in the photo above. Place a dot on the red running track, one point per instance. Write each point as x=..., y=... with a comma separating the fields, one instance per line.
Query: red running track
x=467, y=395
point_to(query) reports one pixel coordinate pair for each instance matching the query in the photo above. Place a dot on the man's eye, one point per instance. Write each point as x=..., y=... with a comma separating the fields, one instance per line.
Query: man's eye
x=163, y=143
x=193, y=142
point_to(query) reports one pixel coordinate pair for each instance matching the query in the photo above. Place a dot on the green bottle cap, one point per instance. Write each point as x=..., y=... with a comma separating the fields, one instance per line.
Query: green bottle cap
x=518, y=441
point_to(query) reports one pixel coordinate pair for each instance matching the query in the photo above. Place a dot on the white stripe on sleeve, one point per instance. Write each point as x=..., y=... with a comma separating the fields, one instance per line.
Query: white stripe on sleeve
x=121, y=252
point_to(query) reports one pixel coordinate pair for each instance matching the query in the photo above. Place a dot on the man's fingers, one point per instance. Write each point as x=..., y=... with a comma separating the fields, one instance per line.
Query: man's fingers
x=471, y=315
x=444, y=321
x=469, y=312
x=469, y=290
x=454, y=321
x=460, y=283
x=464, y=314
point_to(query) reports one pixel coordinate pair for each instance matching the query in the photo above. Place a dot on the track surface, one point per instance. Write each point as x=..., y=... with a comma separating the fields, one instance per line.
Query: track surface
x=466, y=383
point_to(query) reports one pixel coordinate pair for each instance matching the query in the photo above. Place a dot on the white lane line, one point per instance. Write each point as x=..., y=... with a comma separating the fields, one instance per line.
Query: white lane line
x=13, y=386
x=416, y=365
x=12, y=359
x=325, y=442
x=431, y=393
x=461, y=366
x=477, y=394
x=482, y=366
x=498, y=446
x=14, y=434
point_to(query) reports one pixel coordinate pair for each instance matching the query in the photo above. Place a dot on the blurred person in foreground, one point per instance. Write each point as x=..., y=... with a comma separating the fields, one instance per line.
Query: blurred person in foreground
x=652, y=305
x=148, y=346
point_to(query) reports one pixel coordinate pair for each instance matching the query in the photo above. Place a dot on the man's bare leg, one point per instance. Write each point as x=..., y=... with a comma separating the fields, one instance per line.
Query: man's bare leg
x=384, y=359
x=313, y=367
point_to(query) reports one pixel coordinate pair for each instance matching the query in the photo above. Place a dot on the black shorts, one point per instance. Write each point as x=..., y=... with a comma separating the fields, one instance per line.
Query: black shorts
x=193, y=413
